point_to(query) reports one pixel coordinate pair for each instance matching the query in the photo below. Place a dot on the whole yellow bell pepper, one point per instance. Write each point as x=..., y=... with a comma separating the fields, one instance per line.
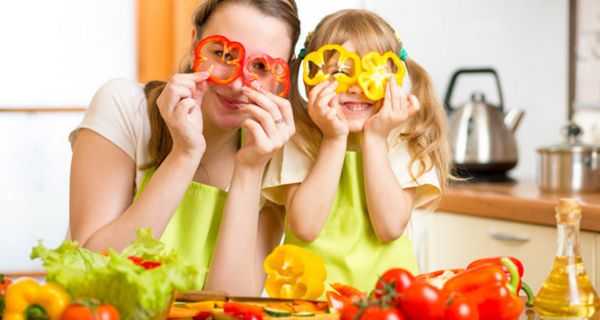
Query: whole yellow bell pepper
x=26, y=293
x=295, y=273
x=344, y=79
x=376, y=72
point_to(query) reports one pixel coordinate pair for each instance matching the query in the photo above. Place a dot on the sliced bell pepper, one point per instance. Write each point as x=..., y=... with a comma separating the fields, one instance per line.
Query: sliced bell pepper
x=518, y=264
x=294, y=272
x=376, y=71
x=243, y=310
x=272, y=74
x=345, y=80
x=228, y=47
x=337, y=301
x=438, y=278
x=4, y=283
x=348, y=291
x=26, y=294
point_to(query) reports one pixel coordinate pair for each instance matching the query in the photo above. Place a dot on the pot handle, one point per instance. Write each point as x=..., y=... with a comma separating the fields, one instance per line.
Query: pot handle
x=447, y=105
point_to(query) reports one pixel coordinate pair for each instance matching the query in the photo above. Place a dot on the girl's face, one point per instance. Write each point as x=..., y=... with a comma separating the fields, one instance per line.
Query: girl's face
x=354, y=105
x=259, y=34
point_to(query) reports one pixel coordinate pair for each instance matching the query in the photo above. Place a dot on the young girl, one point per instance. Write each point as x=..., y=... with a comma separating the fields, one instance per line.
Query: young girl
x=175, y=148
x=365, y=153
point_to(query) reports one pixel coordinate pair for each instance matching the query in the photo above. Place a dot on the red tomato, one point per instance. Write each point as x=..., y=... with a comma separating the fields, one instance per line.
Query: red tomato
x=397, y=277
x=422, y=301
x=349, y=312
x=78, y=311
x=376, y=313
x=459, y=307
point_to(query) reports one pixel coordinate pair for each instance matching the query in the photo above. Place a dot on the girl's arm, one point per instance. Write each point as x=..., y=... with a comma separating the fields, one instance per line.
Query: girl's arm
x=308, y=204
x=102, y=214
x=245, y=235
x=390, y=206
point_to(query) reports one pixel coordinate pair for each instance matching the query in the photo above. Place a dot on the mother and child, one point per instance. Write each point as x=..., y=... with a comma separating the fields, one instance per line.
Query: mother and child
x=221, y=161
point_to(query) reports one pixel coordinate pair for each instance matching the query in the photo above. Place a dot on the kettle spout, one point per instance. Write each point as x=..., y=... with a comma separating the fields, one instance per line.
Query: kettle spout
x=512, y=119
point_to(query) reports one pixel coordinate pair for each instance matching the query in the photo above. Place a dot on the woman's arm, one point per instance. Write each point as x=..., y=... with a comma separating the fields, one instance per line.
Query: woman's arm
x=102, y=181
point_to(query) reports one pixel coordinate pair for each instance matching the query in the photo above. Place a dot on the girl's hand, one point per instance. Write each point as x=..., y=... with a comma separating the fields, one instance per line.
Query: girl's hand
x=396, y=109
x=323, y=109
x=270, y=126
x=179, y=105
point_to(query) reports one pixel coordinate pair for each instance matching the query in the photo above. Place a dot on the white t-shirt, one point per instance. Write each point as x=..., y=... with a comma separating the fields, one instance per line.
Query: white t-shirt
x=119, y=113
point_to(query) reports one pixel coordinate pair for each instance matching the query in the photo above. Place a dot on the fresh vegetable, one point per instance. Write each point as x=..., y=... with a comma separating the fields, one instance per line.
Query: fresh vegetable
x=348, y=291
x=422, y=301
x=519, y=265
x=376, y=313
x=266, y=72
x=277, y=313
x=460, y=307
x=136, y=292
x=144, y=263
x=90, y=310
x=176, y=312
x=27, y=296
x=315, y=65
x=294, y=272
x=243, y=311
x=4, y=283
x=392, y=283
x=230, y=54
x=376, y=69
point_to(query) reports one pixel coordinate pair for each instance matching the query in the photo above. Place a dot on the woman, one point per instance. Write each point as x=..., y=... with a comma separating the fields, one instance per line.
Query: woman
x=175, y=148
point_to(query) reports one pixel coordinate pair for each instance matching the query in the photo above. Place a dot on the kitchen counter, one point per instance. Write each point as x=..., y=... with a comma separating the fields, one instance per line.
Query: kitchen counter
x=520, y=201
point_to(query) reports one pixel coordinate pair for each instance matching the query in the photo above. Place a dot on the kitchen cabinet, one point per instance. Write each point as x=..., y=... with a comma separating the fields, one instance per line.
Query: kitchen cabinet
x=448, y=240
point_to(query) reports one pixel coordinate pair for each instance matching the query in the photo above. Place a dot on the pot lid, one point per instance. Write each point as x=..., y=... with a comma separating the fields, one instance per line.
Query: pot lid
x=572, y=144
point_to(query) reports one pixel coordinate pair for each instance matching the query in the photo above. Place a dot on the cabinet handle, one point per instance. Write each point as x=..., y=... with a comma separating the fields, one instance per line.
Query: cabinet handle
x=505, y=236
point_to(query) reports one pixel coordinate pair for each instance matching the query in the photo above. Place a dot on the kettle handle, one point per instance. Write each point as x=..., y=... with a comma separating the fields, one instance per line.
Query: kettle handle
x=447, y=105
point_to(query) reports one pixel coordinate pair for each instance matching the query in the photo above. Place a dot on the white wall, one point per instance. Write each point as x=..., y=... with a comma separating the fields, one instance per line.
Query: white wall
x=53, y=54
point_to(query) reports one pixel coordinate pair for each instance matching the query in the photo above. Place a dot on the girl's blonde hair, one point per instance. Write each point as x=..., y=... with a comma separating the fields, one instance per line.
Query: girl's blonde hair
x=160, y=143
x=425, y=132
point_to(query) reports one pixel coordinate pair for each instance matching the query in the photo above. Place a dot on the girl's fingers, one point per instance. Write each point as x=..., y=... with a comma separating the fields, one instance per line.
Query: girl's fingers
x=398, y=97
x=316, y=90
x=387, y=100
x=328, y=89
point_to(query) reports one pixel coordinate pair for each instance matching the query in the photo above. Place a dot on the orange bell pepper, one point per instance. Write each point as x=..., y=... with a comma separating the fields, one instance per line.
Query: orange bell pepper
x=376, y=71
x=294, y=272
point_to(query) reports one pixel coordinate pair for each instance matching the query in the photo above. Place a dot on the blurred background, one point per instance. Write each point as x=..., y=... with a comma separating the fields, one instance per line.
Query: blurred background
x=55, y=54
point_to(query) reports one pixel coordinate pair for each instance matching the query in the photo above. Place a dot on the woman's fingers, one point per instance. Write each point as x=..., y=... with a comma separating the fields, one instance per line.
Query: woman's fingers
x=263, y=118
x=284, y=106
x=265, y=103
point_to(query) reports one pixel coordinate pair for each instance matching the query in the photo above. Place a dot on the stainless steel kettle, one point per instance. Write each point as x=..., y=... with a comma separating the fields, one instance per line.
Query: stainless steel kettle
x=481, y=134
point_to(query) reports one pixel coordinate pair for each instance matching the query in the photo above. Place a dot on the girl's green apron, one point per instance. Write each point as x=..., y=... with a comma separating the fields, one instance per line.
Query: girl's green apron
x=194, y=226
x=352, y=253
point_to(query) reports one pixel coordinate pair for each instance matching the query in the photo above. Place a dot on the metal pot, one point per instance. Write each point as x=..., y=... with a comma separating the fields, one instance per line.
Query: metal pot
x=569, y=167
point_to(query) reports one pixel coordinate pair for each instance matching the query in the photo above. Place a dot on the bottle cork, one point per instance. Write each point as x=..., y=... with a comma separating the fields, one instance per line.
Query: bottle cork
x=568, y=210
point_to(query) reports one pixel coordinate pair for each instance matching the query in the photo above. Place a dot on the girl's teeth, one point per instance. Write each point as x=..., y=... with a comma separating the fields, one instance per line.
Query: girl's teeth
x=357, y=106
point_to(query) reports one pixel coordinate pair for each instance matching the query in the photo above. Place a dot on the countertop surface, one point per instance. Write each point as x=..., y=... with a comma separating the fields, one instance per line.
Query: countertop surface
x=520, y=201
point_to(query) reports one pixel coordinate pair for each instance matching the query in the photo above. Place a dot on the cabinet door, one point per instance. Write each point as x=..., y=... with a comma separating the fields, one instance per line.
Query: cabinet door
x=454, y=240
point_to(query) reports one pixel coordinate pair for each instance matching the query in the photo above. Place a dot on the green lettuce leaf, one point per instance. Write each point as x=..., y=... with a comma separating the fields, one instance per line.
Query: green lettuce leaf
x=137, y=293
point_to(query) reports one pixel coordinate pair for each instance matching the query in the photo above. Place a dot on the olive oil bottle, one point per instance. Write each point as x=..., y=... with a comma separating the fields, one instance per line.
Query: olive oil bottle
x=567, y=293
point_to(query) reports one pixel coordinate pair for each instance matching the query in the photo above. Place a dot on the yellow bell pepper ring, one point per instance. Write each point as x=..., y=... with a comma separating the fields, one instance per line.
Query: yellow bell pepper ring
x=376, y=72
x=294, y=273
x=26, y=293
x=318, y=59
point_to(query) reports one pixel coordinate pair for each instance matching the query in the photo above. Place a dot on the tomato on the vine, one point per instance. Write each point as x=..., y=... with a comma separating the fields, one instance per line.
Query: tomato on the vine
x=460, y=307
x=422, y=301
x=377, y=313
x=399, y=278
x=90, y=311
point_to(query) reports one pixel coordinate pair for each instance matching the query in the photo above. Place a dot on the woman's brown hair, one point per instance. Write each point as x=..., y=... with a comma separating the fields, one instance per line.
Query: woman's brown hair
x=160, y=140
x=425, y=133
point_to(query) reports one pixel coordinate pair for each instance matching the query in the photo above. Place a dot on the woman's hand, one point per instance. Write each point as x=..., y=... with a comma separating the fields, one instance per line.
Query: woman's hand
x=179, y=105
x=396, y=109
x=323, y=109
x=270, y=126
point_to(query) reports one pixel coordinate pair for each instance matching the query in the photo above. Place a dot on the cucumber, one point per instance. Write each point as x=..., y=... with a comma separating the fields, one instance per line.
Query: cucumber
x=278, y=313
x=304, y=314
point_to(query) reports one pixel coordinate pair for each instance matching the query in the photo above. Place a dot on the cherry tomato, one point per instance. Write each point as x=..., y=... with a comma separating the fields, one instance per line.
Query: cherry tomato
x=397, y=277
x=459, y=307
x=376, y=313
x=85, y=311
x=422, y=301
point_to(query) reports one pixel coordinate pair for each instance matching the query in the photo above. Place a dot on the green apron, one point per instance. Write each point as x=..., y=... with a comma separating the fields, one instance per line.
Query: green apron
x=194, y=226
x=347, y=243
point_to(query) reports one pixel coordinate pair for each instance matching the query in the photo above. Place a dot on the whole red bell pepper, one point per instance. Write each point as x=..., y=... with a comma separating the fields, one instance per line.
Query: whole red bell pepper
x=519, y=265
x=487, y=285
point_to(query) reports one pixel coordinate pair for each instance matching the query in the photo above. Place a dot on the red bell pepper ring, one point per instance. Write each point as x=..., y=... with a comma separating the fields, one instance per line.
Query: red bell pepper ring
x=227, y=47
x=243, y=310
x=271, y=74
x=518, y=264
x=348, y=291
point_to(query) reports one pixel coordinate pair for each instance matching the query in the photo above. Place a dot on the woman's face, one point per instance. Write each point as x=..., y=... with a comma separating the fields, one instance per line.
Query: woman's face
x=259, y=34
